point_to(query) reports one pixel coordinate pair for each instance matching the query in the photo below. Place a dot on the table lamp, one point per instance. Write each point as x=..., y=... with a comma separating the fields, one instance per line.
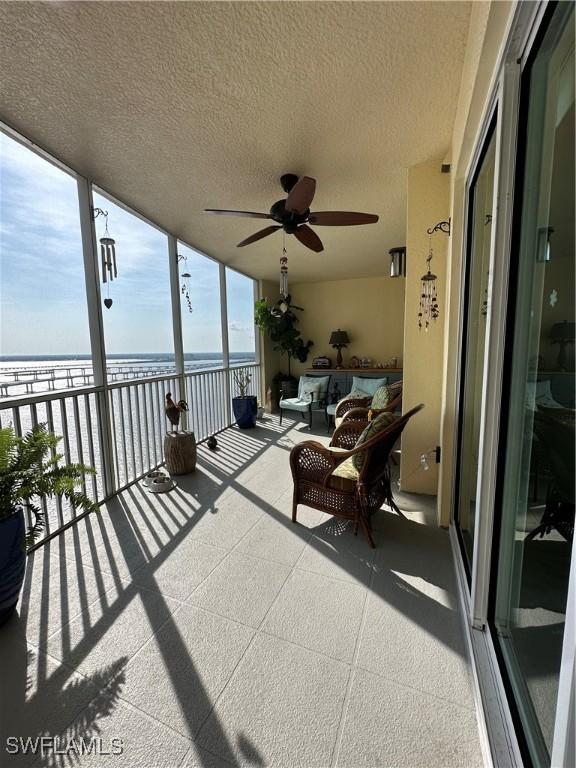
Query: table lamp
x=339, y=339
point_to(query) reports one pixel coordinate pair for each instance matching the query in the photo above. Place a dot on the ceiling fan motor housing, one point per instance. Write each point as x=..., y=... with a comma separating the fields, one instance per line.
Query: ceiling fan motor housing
x=288, y=180
x=290, y=220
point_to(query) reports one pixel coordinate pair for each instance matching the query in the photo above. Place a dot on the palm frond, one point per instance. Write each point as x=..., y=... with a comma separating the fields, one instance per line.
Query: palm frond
x=30, y=469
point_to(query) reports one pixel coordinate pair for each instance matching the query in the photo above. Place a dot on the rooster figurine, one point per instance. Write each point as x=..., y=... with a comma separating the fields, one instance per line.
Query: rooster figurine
x=173, y=410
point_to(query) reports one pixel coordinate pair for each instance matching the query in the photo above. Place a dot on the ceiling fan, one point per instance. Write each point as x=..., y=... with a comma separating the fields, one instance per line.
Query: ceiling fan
x=293, y=214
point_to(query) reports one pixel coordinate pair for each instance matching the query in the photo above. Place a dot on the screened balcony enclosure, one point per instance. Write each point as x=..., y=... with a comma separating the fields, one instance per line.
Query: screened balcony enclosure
x=146, y=150
x=202, y=627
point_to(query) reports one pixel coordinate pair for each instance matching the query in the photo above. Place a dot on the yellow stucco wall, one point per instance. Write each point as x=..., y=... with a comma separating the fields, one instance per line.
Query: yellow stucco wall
x=428, y=204
x=371, y=310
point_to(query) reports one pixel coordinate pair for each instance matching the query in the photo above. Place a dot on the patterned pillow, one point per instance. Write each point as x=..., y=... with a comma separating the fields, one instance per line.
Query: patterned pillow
x=367, y=384
x=381, y=398
x=318, y=381
x=310, y=388
x=379, y=424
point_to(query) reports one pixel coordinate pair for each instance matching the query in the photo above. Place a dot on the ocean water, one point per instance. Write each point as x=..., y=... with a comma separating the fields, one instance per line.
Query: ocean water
x=35, y=374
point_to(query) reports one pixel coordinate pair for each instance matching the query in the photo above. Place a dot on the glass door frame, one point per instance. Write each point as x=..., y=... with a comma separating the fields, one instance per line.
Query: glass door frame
x=503, y=100
x=563, y=743
x=489, y=134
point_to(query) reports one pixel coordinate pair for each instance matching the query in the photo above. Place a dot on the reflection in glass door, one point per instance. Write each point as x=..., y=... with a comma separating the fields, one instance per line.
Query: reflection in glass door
x=537, y=473
x=481, y=199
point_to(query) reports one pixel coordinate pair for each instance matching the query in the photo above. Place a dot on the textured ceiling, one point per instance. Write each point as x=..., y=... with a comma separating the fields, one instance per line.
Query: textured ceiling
x=174, y=107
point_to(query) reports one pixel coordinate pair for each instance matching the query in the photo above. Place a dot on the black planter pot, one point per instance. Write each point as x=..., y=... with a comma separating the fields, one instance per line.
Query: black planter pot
x=245, y=411
x=12, y=562
x=289, y=387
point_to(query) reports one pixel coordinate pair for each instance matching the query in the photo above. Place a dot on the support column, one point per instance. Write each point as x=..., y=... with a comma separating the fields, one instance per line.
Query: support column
x=96, y=325
x=177, y=323
x=428, y=204
x=225, y=344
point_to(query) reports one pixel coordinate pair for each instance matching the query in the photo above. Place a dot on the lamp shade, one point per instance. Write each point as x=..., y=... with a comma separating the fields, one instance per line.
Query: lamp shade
x=339, y=338
x=563, y=331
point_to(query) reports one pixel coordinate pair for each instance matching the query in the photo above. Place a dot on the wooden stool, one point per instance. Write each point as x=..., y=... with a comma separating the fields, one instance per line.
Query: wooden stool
x=180, y=452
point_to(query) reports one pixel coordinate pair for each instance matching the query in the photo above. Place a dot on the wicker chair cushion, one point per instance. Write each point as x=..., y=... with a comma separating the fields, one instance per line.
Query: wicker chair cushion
x=379, y=424
x=344, y=476
x=367, y=386
x=381, y=398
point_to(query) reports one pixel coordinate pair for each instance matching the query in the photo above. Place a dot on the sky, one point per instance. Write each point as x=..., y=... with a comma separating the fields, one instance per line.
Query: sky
x=42, y=292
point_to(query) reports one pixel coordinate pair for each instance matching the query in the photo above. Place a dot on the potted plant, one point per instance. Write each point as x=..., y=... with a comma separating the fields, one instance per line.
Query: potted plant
x=29, y=470
x=278, y=321
x=245, y=406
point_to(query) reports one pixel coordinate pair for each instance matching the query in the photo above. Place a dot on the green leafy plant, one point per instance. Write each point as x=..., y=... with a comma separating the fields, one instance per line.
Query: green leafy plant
x=30, y=469
x=242, y=381
x=279, y=321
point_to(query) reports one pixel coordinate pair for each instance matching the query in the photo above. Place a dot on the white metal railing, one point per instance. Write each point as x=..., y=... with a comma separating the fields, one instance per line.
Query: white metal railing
x=137, y=425
x=76, y=416
x=206, y=395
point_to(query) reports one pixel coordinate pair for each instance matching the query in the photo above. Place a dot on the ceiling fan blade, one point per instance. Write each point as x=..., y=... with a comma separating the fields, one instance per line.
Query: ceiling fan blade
x=341, y=218
x=258, y=236
x=309, y=238
x=301, y=195
x=249, y=214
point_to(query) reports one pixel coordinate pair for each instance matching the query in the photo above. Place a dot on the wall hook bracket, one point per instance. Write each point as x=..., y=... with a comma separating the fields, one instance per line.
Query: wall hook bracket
x=442, y=226
x=99, y=212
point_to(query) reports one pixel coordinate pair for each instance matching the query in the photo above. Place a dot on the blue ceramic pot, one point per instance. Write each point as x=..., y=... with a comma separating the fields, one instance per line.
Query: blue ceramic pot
x=245, y=411
x=12, y=562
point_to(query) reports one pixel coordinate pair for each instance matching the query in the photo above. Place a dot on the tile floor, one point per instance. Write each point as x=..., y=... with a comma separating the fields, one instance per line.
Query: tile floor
x=202, y=629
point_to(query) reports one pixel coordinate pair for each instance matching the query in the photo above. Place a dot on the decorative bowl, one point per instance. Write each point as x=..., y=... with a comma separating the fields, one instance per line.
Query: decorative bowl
x=161, y=484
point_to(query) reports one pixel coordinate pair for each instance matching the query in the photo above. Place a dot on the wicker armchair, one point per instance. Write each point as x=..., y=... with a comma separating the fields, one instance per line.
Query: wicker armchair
x=316, y=486
x=363, y=413
x=347, y=404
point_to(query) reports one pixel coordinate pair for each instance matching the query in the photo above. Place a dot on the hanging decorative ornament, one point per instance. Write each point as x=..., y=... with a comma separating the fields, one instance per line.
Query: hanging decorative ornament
x=428, y=297
x=107, y=256
x=283, y=274
x=185, y=288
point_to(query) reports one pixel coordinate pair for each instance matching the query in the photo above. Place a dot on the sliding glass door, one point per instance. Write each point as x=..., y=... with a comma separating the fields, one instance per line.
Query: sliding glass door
x=535, y=505
x=480, y=205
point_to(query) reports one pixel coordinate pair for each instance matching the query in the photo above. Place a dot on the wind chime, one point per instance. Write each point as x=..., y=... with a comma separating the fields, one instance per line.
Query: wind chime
x=284, y=274
x=185, y=289
x=428, y=296
x=107, y=256
x=429, y=309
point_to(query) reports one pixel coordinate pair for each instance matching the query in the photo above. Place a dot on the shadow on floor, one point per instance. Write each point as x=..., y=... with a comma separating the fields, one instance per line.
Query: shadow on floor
x=137, y=533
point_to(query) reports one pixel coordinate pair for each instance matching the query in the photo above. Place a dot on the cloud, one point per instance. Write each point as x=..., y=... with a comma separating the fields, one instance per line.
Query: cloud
x=42, y=272
x=239, y=327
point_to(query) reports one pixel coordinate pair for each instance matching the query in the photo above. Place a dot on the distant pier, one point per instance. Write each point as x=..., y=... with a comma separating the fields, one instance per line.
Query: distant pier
x=22, y=380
